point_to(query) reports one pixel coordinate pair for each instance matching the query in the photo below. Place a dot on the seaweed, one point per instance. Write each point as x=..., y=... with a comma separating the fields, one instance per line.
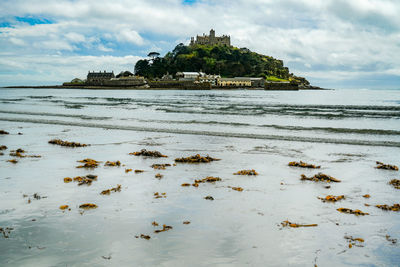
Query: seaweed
x=394, y=207
x=63, y=207
x=67, y=180
x=331, y=198
x=6, y=231
x=139, y=171
x=209, y=198
x=302, y=164
x=237, y=189
x=287, y=223
x=88, y=206
x=246, y=172
x=354, y=241
x=186, y=222
x=366, y=196
x=154, y=223
x=146, y=153
x=14, y=161
x=350, y=211
x=160, y=166
x=160, y=195
x=3, y=147
x=88, y=163
x=128, y=170
x=66, y=143
x=320, y=177
x=88, y=179
x=381, y=165
x=158, y=176
x=392, y=240
x=112, y=163
x=185, y=184
x=4, y=132
x=208, y=179
x=196, y=159
x=395, y=183
x=143, y=236
x=114, y=189
x=164, y=229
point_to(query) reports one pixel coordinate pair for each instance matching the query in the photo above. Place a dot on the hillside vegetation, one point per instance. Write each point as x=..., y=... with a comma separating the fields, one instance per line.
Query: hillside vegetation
x=217, y=59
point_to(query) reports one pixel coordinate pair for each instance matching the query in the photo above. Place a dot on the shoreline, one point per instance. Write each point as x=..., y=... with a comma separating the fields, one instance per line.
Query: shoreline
x=155, y=88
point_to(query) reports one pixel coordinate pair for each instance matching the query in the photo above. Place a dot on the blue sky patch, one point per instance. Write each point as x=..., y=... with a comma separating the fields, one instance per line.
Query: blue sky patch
x=188, y=2
x=33, y=20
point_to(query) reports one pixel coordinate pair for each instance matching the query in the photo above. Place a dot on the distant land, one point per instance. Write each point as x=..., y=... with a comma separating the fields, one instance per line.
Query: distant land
x=208, y=62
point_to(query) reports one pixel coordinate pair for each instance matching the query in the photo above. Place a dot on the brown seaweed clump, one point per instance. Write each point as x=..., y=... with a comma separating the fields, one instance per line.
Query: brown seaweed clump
x=366, y=196
x=302, y=164
x=88, y=179
x=158, y=176
x=160, y=195
x=320, y=177
x=63, y=207
x=67, y=180
x=392, y=240
x=296, y=225
x=112, y=163
x=350, y=211
x=246, y=172
x=88, y=206
x=395, y=183
x=139, y=171
x=128, y=170
x=20, y=154
x=88, y=163
x=4, y=132
x=186, y=222
x=160, y=166
x=331, y=198
x=108, y=191
x=143, y=236
x=66, y=143
x=354, y=241
x=381, y=165
x=237, y=189
x=185, y=184
x=196, y=159
x=394, y=207
x=208, y=179
x=14, y=161
x=164, y=229
x=146, y=153
x=209, y=198
x=3, y=147
x=6, y=231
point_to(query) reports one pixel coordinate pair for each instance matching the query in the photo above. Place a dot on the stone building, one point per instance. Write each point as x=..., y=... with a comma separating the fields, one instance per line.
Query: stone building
x=234, y=82
x=98, y=78
x=211, y=39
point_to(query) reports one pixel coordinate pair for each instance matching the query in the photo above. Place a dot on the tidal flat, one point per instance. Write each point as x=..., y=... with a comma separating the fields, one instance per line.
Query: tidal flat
x=344, y=132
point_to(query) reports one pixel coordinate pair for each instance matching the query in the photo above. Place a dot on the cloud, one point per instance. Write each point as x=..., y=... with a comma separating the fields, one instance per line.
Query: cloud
x=348, y=40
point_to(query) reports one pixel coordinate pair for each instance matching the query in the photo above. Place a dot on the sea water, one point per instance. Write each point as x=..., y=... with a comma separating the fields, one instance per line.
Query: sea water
x=344, y=131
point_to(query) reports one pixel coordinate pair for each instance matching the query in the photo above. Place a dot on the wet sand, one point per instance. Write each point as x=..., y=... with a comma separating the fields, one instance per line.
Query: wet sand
x=234, y=229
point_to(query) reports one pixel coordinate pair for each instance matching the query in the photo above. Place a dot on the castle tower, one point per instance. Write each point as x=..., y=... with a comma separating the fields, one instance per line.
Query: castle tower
x=212, y=33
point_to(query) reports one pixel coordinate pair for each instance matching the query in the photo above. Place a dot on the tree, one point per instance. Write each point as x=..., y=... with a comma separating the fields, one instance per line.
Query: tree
x=153, y=55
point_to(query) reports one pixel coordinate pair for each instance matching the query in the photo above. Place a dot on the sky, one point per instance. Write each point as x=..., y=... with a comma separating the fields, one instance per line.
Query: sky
x=332, y=43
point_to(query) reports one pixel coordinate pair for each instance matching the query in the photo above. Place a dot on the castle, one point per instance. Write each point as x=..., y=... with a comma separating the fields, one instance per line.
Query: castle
x=211, y=39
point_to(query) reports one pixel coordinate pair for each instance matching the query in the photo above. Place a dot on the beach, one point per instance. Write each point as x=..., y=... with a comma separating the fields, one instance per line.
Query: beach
x=343, y=131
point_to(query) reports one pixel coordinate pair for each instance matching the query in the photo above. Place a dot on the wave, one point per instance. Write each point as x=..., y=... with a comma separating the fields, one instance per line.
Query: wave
x=83, y=117
x=211, y=133
x=284, y=127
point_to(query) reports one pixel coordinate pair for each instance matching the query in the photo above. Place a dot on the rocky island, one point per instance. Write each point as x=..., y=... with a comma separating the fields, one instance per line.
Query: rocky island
x=208, y=62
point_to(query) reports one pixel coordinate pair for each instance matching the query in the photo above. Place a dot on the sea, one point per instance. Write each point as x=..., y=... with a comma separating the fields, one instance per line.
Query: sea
x=345, y=131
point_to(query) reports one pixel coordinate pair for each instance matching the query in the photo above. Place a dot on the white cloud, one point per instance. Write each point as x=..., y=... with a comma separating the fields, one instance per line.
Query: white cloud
x=130, y=36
